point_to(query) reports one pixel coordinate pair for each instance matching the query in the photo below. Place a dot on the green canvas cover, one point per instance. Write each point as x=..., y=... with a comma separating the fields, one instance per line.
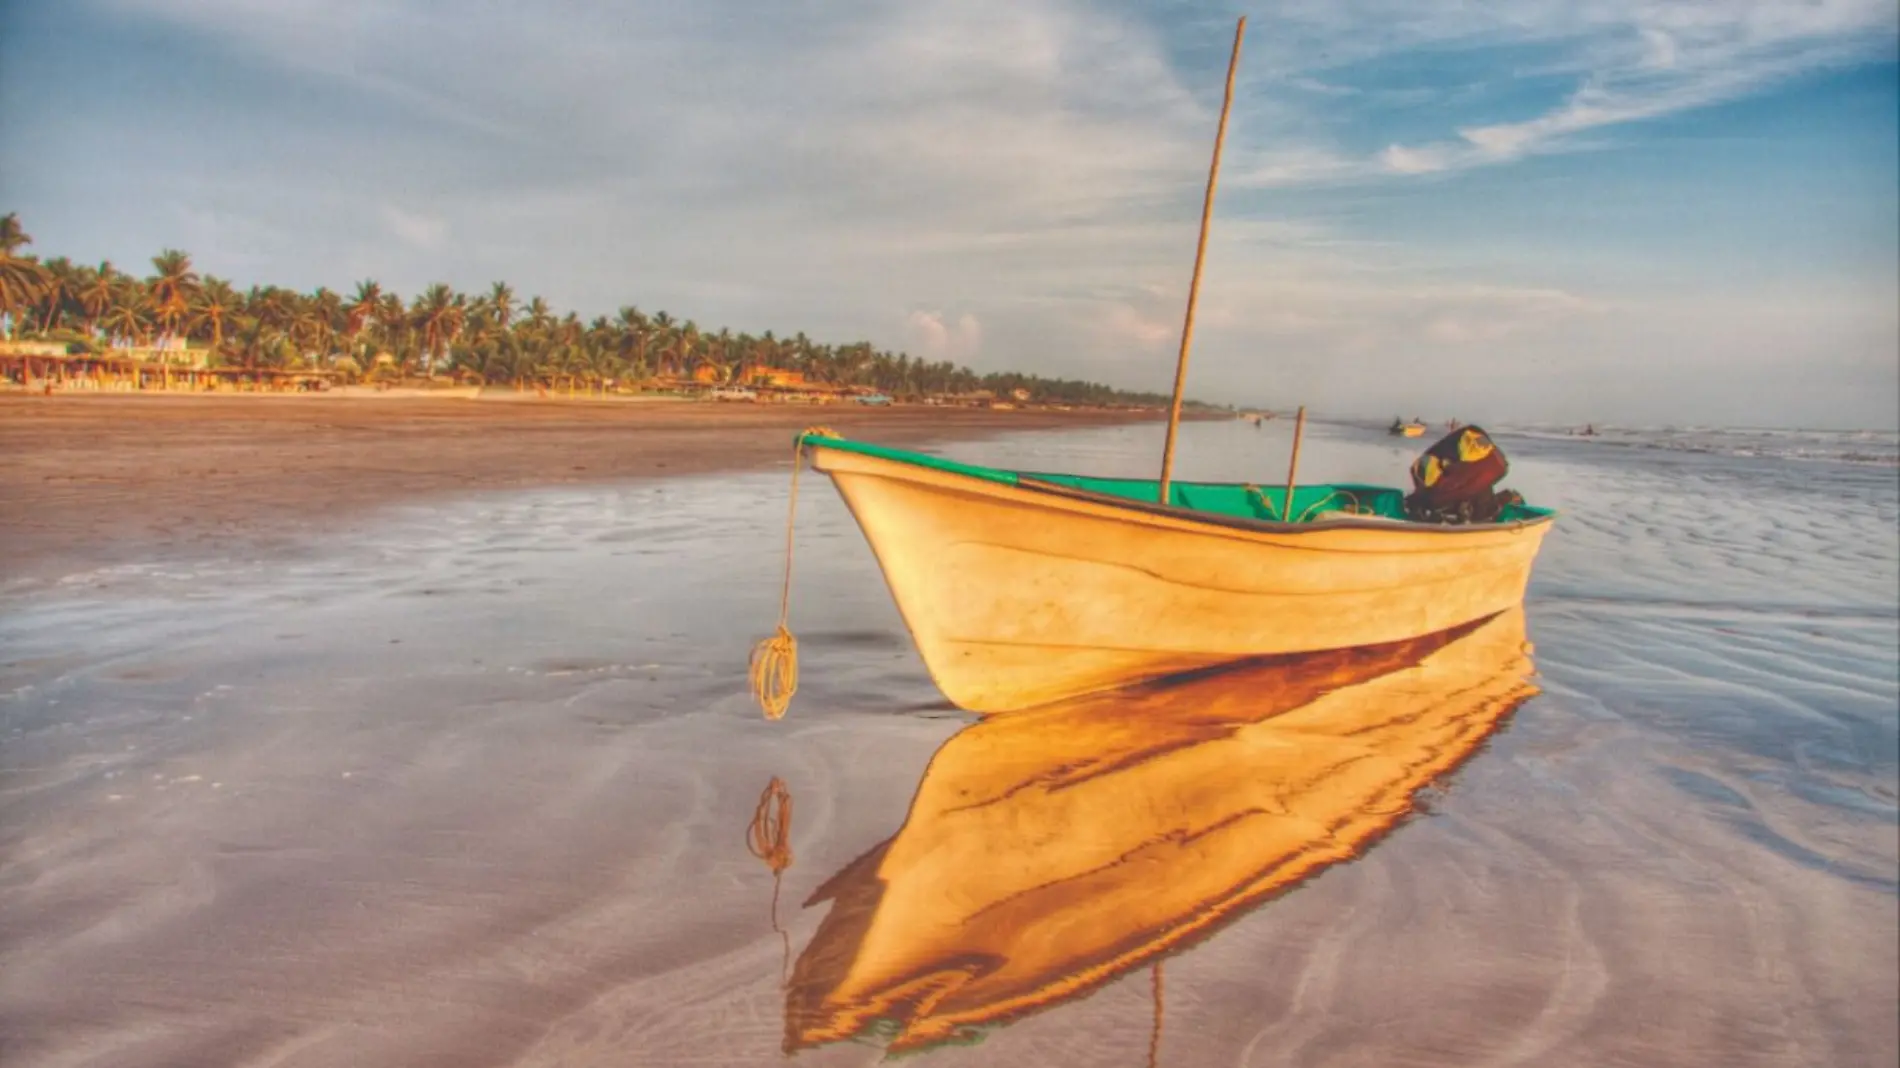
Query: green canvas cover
x=1231, y=499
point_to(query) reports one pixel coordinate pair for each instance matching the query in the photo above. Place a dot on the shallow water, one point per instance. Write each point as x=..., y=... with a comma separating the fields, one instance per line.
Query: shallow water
x=471, y=785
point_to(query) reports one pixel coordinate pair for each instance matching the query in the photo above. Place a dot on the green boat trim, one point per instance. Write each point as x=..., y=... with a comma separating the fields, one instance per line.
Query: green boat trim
x=1333, y=503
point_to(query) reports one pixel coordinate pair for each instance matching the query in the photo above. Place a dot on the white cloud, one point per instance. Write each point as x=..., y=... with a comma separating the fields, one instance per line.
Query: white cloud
x=1661, y=52
x=1007, y=182
x=1633, y=60
x=1129, y=325
x=932, y=337
x=414, y=228
x=1401, y=160
x=1294, y=166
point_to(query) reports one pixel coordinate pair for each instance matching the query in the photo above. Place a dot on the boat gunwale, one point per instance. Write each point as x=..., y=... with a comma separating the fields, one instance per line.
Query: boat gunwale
x=1033, y=482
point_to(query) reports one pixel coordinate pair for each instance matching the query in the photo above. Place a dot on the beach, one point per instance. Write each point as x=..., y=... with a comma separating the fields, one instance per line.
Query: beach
x=336, y=739
x=100, y=478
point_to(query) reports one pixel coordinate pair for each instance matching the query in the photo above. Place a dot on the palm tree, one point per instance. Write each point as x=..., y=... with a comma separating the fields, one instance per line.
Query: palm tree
x=719, y=353
x=361, y=310
x=12, y=237
x=277, y=307
x=659, y=339
x=392, y=328
x=539, y=314
x=125, y=318
x=172, y=288
x=258, y=343
x=502, y=299
x=96, y=292
x=323, y=319
x=58, y=289
x=680, y=347
x=630, y=341
x=604, y=364
x=761, y=352
x=217, y=303
x=21, y=277
x=438, y=314
x=309, y=329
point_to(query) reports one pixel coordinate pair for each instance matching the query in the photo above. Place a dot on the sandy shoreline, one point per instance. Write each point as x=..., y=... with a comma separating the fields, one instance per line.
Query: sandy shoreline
x=94, y=481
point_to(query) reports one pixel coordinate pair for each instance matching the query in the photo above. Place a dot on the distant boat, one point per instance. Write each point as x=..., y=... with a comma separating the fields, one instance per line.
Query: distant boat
x=1022, y=588
x=1046, y=854
x=1413, y=429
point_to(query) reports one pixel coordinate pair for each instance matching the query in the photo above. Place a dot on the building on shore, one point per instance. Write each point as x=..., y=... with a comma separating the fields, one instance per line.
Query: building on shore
x=45, y=366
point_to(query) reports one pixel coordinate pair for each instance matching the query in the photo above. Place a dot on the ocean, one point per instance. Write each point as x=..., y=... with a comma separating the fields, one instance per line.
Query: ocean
x=478, y=782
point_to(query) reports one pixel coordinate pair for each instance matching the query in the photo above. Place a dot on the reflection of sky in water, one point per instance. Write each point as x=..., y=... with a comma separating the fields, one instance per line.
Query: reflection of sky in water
x=526, y=712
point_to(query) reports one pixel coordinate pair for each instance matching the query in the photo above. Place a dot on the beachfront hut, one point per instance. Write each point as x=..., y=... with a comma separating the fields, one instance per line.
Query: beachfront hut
x=778, y=377
x=46, y=366
x=22, y=362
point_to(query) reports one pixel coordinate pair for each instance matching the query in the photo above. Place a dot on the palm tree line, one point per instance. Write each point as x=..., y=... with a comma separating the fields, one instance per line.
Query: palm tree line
x=491, y=337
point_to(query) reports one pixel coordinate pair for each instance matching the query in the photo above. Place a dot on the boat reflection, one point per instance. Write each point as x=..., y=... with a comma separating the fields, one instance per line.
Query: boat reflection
x=1049, y=851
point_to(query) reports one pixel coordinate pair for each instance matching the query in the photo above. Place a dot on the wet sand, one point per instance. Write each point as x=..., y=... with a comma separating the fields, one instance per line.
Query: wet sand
x=469, y=784
x=105, y=479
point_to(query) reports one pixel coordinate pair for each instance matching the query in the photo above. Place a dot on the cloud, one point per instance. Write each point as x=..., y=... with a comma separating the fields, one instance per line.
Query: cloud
x=422, y=231
x=934, y=338
x=1293, y=166
x=991, y=113
x=1121, y=322
x=1661, y=48
x=1459, y=327
x=1401, y=160
x=1631, y=61
x=1015, y=183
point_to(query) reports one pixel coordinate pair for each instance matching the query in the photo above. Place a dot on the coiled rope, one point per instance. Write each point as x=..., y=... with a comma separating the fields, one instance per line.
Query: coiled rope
x=774, y=668
x=1352, y=504
x=770, y=839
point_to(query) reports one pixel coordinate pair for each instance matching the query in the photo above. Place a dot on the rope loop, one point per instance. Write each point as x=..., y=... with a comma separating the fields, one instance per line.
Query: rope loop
x=773, y=672
x=769, y=836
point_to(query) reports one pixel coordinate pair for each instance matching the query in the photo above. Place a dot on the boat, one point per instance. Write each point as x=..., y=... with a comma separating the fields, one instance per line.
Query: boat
x=1046, y=854
x=1023, y=588
x=1413, y=429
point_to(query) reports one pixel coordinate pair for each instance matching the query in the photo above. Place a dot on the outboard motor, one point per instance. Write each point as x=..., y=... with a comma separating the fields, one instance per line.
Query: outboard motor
x=1452, y=482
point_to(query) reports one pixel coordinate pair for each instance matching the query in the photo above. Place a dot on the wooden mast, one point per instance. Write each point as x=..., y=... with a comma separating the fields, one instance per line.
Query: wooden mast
x=1293, y=466
x=1194, y=286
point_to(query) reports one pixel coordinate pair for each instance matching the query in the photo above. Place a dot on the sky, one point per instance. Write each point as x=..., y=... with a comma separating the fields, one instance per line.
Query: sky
x=1633, y=212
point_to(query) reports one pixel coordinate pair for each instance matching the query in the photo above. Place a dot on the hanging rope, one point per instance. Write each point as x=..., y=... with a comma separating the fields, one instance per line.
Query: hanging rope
x=774, y=669
x=770, y=839
x=1154, y=1038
